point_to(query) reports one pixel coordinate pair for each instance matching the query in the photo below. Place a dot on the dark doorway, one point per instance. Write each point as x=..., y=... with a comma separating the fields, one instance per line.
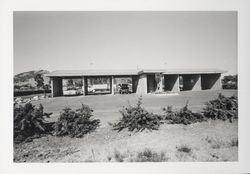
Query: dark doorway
x=151, y=83
x=170, y=82
x=208, y=80
x=189, y=81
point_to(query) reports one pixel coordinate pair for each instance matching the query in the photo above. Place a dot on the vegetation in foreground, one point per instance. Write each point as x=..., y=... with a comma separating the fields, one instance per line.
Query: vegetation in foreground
x=137, y=118
x=223, y=108
x=215, y=140
x=76, y=123
x=146, y=155
x=29, y=122
x=183, y=116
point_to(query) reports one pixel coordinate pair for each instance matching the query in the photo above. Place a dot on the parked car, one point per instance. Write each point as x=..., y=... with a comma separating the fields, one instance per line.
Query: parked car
x=72, y=91
x=124, y=89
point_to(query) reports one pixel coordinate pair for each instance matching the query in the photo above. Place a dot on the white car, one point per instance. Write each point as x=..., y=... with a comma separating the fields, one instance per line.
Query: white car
x=72, y=92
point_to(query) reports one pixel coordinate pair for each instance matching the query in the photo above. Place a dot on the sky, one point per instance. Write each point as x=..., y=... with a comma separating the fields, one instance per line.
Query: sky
x=125, y=40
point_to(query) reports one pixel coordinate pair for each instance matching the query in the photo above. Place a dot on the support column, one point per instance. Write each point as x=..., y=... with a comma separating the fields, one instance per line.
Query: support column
x=217, y=84
x=134, y=83
x=84, y=85
x=142, y=84
x=52, y=86
x=197, y=85
x=112, y=85
x=176, y=87
x=162, y=83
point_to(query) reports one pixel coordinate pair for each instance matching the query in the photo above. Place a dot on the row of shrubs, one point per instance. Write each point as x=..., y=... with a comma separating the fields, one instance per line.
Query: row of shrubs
x=30, y=92
x=138, y=118
x=29, y=121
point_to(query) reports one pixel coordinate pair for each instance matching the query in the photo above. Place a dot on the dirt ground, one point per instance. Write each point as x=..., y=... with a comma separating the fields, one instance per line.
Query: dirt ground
x=206, y=141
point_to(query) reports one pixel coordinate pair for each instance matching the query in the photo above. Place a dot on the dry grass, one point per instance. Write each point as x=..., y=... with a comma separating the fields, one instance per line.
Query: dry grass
x=170, y=143
x=205, y=141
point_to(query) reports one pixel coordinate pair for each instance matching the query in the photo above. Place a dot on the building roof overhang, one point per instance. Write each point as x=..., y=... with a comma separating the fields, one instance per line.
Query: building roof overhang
x=80, y=73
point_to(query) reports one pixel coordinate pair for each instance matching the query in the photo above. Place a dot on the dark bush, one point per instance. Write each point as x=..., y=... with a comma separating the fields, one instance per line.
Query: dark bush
x=183, y=116
x=76, y=123
x=30, y=92
x=29, y=122
x=150, y=156
x=184, y=148
x=137, y=118
x=230, y=82
x=222, y=108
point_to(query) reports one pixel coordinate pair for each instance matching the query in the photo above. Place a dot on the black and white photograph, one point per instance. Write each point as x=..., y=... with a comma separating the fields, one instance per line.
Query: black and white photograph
x=135, y=86
x=125, y=86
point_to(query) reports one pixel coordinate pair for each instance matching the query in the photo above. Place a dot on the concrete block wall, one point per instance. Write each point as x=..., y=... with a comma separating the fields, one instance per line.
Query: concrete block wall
x=142, y=84
x=135, y=79
x=84, y=86
x=112, y=85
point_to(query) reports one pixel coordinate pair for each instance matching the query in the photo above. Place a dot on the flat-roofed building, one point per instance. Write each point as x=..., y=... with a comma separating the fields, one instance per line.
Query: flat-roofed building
x=143, y=81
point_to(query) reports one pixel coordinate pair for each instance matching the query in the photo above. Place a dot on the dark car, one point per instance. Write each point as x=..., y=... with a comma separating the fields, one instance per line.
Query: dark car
x=124, y=89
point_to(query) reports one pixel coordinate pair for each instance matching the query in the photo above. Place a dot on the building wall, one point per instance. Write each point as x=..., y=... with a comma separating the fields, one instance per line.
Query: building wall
x=171, y=82
x=135, y=79
x=84, y=86
x=191, y=82
x=142, y=84
x=56, y=86
x=151, y=84
x=210, y=81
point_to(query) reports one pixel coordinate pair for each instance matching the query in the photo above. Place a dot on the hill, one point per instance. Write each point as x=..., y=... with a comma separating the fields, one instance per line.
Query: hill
x=27, y=78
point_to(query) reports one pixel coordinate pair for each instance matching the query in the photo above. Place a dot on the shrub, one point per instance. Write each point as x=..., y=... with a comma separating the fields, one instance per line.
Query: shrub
x=183, y=116
x=222, y=108
x=184, y=148
x=29, y=122
x=76, y=123
x=185, y=153
x=217, y=143
x=150, y=156
x=230, y=82
x=137, y=118
x=147, y=155
x=234, y=142
x=118, y=156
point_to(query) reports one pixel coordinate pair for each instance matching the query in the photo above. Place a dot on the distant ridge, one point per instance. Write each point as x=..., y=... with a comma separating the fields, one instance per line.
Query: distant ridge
x=27, y=78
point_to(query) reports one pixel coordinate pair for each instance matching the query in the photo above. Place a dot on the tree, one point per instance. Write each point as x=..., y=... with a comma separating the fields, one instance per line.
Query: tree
x=230, y=82
x=70, y=82
x=40, y=83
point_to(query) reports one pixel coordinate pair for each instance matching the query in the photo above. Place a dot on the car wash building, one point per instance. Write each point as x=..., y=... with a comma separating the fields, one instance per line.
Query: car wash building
x=139, y=81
